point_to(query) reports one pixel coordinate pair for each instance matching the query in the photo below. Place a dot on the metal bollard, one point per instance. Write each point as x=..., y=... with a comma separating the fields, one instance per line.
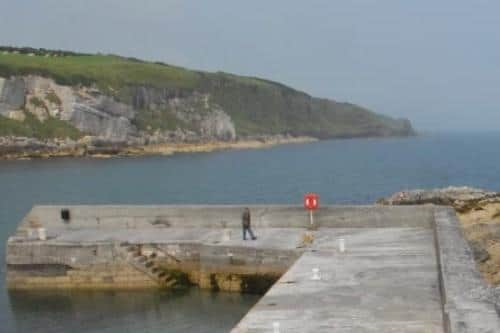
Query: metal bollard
x=342, y=245
x=42, y=234
x=315, y=274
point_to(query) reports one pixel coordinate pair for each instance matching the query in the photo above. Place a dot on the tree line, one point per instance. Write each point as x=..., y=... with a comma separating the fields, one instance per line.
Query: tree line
x=40, y=51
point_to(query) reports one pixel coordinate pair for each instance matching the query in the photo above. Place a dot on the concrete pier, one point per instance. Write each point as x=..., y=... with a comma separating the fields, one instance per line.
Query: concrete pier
x=402, y=269
x=385, y=281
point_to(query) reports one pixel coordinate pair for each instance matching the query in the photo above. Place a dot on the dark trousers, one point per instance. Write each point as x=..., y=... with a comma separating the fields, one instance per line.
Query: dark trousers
x=249, y=230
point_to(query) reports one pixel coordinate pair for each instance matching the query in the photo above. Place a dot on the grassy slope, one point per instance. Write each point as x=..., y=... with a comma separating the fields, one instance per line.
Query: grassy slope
x=108, y=72
x=256, y=106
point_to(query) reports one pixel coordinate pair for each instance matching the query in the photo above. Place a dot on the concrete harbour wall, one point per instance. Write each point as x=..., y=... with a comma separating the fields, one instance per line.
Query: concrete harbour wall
x=217, y=216
x=421, y=249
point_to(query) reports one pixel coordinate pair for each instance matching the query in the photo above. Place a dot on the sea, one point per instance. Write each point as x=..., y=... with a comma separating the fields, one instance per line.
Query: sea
x=348, y=171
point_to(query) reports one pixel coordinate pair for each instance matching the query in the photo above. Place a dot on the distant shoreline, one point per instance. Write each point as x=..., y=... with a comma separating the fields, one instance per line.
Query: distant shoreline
x=160, y=149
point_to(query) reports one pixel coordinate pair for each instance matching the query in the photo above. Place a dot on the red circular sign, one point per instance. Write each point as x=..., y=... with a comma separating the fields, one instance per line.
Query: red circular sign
x=311, y=201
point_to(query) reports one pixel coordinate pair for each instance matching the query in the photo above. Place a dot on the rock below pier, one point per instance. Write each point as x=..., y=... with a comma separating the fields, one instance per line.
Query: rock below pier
x=461, y=198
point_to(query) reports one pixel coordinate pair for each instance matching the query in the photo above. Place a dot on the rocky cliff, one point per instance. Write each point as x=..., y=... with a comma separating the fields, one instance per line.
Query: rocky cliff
x=115, y=100
x=102, y=116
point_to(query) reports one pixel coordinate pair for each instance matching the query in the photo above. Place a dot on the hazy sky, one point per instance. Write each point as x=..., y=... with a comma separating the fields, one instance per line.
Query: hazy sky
x=435, y=62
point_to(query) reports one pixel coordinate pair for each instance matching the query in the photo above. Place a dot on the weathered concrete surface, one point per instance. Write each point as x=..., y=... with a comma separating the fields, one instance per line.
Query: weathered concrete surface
x=405, y=269
x=386, y=281
x=466, y=297
x=220, y=216
x=97, y=258
x=277, y=238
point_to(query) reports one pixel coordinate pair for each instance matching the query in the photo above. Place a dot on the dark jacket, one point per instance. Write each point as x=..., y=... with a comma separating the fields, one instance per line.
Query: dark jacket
x=245, y=219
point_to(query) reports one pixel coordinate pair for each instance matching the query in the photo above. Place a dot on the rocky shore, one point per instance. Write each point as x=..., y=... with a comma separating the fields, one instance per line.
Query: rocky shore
x=28, y=148
x=463, y=199
x=479, y=214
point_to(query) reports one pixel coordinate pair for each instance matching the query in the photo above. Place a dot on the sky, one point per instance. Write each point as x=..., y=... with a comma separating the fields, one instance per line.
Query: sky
x=436, y=63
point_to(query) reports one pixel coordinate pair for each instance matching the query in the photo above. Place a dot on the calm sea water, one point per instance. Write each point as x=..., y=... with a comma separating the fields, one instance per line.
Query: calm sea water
x=341, y=171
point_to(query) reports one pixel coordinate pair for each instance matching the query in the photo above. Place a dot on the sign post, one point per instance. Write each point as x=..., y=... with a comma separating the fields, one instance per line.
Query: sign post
x=311, y=203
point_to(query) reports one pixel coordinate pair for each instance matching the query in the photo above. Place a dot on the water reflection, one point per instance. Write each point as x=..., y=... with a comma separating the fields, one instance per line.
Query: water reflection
x=128, y=311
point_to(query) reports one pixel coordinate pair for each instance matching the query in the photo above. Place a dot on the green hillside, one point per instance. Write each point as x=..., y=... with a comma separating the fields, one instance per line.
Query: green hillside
x=256, y=106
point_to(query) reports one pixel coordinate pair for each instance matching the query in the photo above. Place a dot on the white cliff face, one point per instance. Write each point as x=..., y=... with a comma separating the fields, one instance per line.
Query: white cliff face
x=98, y=115
x=218, y=124
x=41, y=88
x=85, y=108
x=12, y=95
x=205, y=117
x=209, y=118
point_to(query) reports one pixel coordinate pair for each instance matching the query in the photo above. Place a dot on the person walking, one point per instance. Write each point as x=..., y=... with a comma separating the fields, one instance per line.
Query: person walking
x=245, y=221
